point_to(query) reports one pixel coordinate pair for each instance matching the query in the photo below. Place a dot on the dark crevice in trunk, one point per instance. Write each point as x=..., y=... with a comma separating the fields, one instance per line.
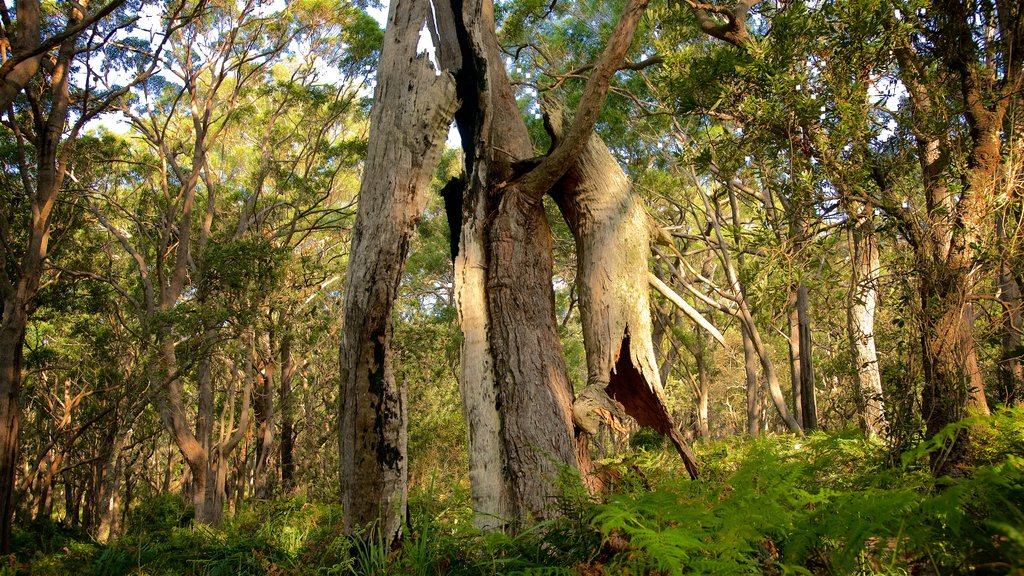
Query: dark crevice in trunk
x=453, y=202
x=628, y=387
x=470, y=82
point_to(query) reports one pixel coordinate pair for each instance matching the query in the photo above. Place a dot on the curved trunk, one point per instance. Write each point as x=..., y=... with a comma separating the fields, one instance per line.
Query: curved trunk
x=611, y=228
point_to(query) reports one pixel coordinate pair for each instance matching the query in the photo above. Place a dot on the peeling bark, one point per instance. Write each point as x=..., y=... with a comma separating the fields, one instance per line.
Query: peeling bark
x=413, y=107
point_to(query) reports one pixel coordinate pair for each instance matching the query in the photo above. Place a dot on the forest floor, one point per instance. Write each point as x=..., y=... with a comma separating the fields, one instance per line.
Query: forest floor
x=828, y=503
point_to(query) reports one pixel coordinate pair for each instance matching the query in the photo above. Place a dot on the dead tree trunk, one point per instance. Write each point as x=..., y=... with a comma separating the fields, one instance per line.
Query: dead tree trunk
x=413, y=106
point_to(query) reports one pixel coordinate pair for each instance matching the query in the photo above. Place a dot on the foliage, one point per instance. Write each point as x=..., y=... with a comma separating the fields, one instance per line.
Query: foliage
x=824, y=504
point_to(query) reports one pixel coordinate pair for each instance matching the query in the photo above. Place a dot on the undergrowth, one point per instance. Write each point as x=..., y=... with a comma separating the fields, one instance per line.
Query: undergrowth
x=823, y=504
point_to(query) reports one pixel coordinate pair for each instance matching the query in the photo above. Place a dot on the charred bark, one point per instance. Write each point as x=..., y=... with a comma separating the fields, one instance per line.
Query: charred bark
x=413, y=107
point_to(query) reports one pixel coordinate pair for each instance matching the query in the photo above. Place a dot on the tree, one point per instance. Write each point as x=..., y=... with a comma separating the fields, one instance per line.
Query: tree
x=38, y=110
x=517, y=399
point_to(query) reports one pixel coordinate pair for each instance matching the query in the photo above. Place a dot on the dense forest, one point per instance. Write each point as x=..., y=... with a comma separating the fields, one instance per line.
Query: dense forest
x=516, y=286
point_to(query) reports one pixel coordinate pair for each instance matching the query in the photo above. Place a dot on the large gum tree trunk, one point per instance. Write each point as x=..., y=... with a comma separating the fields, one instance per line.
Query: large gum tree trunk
x=612, y=232
x=516, y=391
x=517, y=397
x=413, y=107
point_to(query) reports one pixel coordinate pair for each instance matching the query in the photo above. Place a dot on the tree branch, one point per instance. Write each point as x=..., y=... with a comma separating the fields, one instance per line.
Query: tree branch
x=538, y=181
x=733, y=30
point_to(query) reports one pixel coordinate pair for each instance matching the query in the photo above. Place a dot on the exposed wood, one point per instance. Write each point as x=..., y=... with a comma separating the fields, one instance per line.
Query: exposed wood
x=611, y=228
x=413, y=107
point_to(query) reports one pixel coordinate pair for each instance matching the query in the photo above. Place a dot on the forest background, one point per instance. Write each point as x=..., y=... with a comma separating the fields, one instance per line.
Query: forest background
x=816, y=283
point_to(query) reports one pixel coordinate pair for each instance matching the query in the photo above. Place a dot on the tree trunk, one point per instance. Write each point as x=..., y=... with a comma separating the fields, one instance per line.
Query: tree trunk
x=745, y=316
x=287, y=408
x=413, y=107
x=860, y=319
x=516, y=390
x=753, y=386
x=808, y=405
x=704, y=388
x=794, y=355
x=12, y=338
x=1011, y=368
x=263, y=410
x=611, y=228
x=109, y=494
x=516, y=394
x=750, y=361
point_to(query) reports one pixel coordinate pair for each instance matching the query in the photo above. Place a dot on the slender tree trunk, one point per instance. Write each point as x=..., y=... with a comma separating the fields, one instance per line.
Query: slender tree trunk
x=1011, y=366
x=703, y=387
x=597, y=201
x=12, y=337
x=263, y=409
x=808, y=404
x=413, y=107
x=287, y=407
x=860, y=319
x=794, y=355
x=746, y=317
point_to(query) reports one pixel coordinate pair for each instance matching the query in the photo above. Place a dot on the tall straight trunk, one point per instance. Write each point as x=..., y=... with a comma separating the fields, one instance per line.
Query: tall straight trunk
x=413, y=107
x=12, y=338
x=753, y=385
x=286, y=402
x=1011, y=365
x=794, y=355
x=808, y=404
x=703, y=387
x=865, y=269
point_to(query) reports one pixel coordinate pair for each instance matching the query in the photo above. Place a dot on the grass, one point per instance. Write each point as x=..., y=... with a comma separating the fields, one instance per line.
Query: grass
x=824, y=504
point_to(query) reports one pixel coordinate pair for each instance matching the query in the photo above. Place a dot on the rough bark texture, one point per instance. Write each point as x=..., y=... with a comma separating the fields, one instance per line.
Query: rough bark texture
x=413, y=107
x=860, y=319
x=516, y=391
x=524, y=367
x=612, y=246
